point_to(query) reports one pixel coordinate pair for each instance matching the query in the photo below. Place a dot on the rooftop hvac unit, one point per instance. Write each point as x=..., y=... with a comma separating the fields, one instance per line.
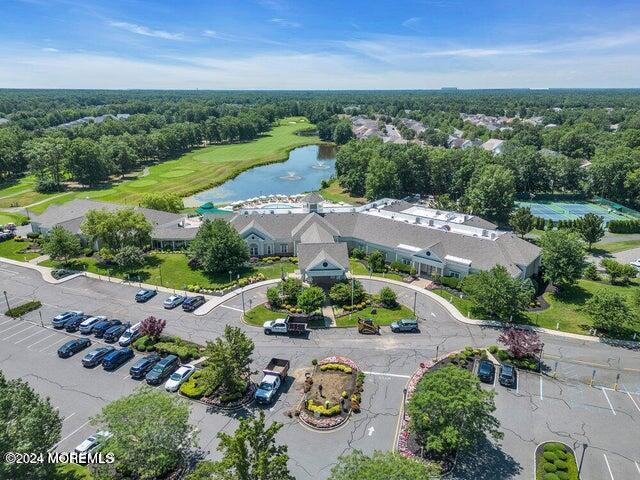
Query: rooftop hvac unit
x=416, y=220
x=485, y=233
x=431, y=223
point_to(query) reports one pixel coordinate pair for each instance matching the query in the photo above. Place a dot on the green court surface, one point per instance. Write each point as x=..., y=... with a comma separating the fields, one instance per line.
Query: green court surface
x=558, y=210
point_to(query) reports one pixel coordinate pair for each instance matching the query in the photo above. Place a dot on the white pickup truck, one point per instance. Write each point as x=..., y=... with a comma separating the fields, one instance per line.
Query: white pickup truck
x=284, y=325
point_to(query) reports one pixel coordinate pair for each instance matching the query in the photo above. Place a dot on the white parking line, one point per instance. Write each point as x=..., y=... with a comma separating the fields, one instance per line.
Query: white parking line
x=19, y=324
x=610, y=406
x=637, y=467
x=41, y=340
x=68, y=417
x=231, y=308
x=7, y=321
x=28, y=336
x=75, y=431
x=608, y=466
x=54, y=343
x=18, y=333
x=396, y=375
x=634, y=402
x=125, y=377
x=541, y=397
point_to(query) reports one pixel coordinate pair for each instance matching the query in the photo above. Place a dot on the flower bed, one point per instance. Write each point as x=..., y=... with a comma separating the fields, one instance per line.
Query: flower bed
x=556, y=461
x=332, y=392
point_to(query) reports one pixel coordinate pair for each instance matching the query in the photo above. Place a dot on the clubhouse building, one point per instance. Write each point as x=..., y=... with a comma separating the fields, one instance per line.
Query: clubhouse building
x=321, y=235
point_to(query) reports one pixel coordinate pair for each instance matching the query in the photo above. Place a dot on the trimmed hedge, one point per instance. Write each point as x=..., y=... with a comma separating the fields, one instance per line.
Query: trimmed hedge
x=23, y=309
x=322, y=410
x=194, y=387
x=169, y=346
x=624, y=226
x=556, y=463
x=336, y=366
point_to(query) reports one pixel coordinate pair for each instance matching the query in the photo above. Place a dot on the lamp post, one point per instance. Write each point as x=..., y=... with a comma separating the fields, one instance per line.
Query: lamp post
x=230, y=273
x=584, y=449
x=7, y=300
x=415, y=299
x=350, y=311
x=404, y=403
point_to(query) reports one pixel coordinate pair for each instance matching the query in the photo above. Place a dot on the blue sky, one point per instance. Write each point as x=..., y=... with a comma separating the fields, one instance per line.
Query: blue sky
x=321, y=44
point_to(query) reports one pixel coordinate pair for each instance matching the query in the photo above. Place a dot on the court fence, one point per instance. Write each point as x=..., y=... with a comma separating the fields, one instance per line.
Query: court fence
x=616, y=206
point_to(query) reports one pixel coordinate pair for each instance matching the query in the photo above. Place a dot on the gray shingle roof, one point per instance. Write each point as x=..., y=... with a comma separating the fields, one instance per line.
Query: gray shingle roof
x=313, y=197
x=316, y=234
x=310, y=254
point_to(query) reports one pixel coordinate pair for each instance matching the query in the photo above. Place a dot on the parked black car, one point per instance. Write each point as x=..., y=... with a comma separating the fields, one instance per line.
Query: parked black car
x=162, y=370
x=101, y=327
x=95, y=357
x=74, y=324
x=59, y=321
x=141, y=367
x=73, y=346
x=486, y=371
x=145, y=295
x=508, y=376
x=116, y=358
x=112, y=334
x=191, y=303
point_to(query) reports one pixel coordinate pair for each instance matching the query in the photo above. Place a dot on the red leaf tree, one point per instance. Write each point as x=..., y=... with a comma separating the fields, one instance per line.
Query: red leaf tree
x=521, y=343
x=152, y=327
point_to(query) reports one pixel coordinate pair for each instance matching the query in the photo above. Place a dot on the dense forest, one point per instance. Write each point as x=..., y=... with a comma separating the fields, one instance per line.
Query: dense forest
x=596, y=128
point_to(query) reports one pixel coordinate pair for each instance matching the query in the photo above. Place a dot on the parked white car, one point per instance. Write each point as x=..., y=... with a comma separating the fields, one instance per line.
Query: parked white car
x=86, y=325
x=636, y=264
x=129, y=335
x=178, y=377
x=93, y=441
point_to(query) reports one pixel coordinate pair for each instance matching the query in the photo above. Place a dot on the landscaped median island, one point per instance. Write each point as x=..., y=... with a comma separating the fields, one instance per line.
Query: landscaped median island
x=556, y=461
x=331, y=392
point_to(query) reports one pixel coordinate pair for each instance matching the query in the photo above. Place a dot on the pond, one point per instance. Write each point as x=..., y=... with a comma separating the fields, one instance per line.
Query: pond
x=303, y=171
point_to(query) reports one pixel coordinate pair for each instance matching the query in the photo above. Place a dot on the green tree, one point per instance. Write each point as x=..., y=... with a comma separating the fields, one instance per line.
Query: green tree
x=450, y=411
x=61, y=244
x=166, y=202
x=251, y=453
x=497, y=294
x=617, y=270
x=609, y=311
x=376, y=261
x=291, y=288
x=522, y=221
x=382, y=466
x=382, y=179
x=46, y=159
x=388, y=297
x=562, y=257
x=310, y=299
x=491, y=193
x=274, y=297
x=117, y=229
x=29, y=424
x=218, y=248
x=129, y=257
x=150, y=431
x=86, y=162
x=342, y=132
x=229, y=360
x=590, y=227
x=341, y=292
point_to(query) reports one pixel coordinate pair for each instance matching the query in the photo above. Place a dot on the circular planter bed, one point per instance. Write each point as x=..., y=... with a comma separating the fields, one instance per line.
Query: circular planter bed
x=332, y=392
x=556, y=461
x=216, y=404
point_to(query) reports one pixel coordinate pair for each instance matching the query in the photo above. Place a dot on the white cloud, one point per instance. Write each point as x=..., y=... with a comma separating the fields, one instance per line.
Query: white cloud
x=50, y=49
x=412, y=22
x=146, y=31
x=285, y=23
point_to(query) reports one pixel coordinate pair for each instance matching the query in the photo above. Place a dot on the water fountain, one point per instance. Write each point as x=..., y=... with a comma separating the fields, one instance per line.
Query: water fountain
x=291, y=177
x=320, y=166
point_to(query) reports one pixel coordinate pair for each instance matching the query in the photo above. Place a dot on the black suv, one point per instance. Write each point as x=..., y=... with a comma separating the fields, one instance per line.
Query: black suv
x=486, y=371
x=73, y=346
x=507, y=376
x=112, y=334
x=74, y=324
x=162, y=370
x=191, y=303
x=94, y=358
x=141, y=367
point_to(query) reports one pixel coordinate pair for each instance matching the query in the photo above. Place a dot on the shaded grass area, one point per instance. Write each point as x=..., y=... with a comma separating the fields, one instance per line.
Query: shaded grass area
x=335, y=193
x=12, y=249
x=603, y=248
x=195, y=171
x=565, y=312
x=358, y=268
x=170, y=270
x=383, y=316
x=15, y=218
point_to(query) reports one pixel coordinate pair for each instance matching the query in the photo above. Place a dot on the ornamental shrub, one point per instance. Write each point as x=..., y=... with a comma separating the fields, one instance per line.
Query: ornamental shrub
x=550, y=456
x=550, y=476
x=22, y=309
x=336, y=366
x=323, y=410
x=549, y=467
x=560, y=464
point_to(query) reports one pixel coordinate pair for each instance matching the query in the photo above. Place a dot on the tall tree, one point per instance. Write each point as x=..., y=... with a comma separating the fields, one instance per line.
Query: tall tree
x=609, y=311
x=522, y=221
x=218, y=248
x=117, y=229
x=310, y=299
x=491, y=193
x=86, y=162
x=29, y=424
x=449, y=411
x=382, y=466
x=46, y=159
x=342, y=132
x=562, y=257
x=251, y=452
x=590, y=227
x=151, y=434
x=382, y=179
x=521, y=343
x=61, y=244
x=166, y=202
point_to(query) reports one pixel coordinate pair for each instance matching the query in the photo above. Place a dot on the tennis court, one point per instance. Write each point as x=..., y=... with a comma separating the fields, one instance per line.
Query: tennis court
x=571, y=210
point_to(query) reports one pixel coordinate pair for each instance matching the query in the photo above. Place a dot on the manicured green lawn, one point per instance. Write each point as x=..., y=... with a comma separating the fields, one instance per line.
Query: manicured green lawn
x=614, y=247
x=357, y=268
x=383, y=316
x=72, y=471
x=11, y=249
x=197, y=170
x=335, y=193
x=14, y=218
x=260, y=314
x=174, y=271
x=565, y=309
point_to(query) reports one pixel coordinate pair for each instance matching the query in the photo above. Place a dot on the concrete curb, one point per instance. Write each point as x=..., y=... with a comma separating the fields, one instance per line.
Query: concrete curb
x=215, y=302
x=495, y=324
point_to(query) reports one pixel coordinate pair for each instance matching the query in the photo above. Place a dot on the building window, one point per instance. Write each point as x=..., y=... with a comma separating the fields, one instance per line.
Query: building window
x=268, y=249
x=454, y=274
x=253, y=250
x=284, y=248
x=406, y=261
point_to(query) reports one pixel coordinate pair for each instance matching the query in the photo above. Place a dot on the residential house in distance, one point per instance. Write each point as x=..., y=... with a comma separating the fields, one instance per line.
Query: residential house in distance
x=321, y=234
x=493, y=145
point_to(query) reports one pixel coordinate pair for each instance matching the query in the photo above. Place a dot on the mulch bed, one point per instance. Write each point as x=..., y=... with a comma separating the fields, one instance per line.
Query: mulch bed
x=215, y=403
